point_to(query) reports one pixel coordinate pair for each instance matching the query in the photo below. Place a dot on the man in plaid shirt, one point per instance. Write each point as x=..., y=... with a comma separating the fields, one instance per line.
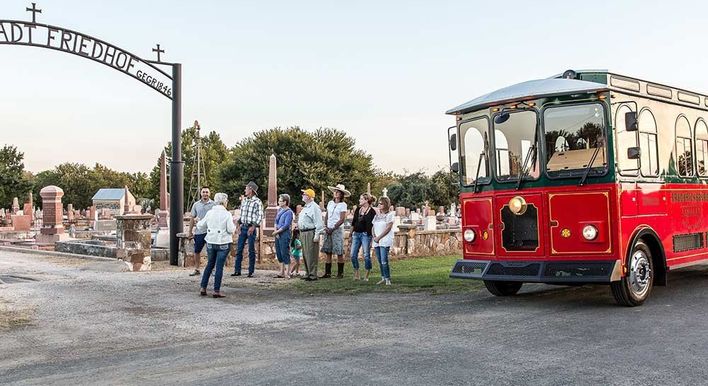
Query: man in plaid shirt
x=251, y=216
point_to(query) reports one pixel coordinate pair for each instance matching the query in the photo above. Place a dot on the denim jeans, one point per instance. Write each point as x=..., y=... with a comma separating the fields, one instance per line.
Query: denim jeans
x=251, y=250
x=361, y=240
x=216, y=255
x=282, y=247
x=382, y=256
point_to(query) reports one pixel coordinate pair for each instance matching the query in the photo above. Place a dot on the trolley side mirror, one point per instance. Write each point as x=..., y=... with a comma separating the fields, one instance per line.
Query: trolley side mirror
x=453, y=142
x=631, y=123
x=633, y=153
x=455, y=167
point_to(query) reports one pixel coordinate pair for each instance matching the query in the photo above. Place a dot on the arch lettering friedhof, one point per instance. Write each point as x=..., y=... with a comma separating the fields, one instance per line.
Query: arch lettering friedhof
x=147, y=72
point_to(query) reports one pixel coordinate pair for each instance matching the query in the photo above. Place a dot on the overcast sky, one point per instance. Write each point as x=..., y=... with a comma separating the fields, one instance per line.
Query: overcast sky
x=383, y=71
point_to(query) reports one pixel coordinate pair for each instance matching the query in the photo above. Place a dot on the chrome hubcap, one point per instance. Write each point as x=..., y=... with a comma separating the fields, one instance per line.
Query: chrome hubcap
x=639, y=273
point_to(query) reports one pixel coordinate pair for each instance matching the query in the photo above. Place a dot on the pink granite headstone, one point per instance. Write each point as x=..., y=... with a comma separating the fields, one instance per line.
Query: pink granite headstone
x=21, y=223
x=53, y=211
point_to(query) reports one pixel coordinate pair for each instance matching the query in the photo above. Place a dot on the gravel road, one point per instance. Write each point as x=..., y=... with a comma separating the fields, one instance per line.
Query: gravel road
x=85, y=322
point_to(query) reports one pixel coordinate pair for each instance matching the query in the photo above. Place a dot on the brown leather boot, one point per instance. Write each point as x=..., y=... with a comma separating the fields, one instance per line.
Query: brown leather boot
x=328, y=271
x=340, y=270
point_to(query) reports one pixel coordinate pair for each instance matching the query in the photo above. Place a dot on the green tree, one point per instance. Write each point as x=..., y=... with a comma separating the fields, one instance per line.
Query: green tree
x=413, y=190
x=316, y=159
x=13, y=180
x=76, y=180
x=213, y=154
x=80, y=183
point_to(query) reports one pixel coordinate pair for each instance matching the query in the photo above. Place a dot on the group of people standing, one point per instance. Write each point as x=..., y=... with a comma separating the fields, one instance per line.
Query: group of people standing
x=295, y=238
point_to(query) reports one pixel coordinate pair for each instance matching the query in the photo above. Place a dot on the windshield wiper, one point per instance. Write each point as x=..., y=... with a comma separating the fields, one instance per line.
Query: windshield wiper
x=483, y=154
x=589, y=167
x=479, y=165
x=524, y=170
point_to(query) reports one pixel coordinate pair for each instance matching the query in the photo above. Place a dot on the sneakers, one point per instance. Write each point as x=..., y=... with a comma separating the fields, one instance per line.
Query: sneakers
x=388, y=281
x=195, y=273
x=381, y=281
x=236, y=274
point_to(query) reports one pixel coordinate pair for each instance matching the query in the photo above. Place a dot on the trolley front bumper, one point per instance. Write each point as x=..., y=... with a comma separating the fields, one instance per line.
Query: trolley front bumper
x=596, y=271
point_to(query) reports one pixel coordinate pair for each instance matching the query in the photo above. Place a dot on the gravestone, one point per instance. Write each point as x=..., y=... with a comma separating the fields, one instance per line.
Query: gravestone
x=70, y=212
x=52, y=217
x=15, y=205
x=21, y=222
x=107, y=225
x=163, y=220
x=272, y=208
x=430, y=223
x=396, y=223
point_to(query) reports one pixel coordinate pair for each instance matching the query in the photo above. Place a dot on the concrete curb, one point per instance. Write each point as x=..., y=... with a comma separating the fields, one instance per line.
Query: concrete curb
x=56, y=254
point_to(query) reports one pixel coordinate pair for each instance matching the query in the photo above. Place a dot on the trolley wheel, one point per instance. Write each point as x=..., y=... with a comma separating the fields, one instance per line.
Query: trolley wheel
x=634, y=288
x=503, y=288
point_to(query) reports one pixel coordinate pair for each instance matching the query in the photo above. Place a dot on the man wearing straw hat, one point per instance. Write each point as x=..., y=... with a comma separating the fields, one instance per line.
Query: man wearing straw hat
x=334, y=234
x=309, y=223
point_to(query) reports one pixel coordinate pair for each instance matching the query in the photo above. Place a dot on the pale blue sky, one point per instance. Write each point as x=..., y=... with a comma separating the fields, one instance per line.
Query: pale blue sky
x=384, y=72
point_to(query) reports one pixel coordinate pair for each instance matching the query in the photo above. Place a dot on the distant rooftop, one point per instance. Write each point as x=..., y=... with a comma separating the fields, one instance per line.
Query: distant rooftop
x=109, y=194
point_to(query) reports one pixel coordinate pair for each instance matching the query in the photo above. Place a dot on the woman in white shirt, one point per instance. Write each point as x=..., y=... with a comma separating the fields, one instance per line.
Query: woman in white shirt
x=219, y=227
x=383, y=237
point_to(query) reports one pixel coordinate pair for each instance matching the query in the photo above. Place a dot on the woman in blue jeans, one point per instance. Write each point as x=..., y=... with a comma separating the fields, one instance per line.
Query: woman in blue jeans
x=383, y=237
x=283, y=223
x=361, y=234
x=219, y=227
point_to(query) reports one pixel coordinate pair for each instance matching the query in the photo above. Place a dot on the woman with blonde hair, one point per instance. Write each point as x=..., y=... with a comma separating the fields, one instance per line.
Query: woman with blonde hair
x=219, y=227
x=383, y=237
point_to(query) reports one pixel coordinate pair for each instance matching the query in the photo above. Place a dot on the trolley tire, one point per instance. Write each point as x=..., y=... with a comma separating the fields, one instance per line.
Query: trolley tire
x=503, y=288
x=624, y=292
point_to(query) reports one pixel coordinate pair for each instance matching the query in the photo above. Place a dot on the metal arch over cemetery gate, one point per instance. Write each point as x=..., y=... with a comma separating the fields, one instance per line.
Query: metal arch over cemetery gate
x=33, y=34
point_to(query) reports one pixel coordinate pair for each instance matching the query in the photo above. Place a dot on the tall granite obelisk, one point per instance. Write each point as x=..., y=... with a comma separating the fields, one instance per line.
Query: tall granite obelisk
x=164, y=196
x=272, y=208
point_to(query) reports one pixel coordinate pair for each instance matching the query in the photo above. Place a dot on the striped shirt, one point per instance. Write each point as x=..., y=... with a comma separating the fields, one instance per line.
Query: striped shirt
x=251, y=211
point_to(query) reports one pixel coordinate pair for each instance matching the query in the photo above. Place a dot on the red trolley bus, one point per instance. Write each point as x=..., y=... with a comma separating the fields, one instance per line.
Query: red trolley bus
x=585, y=177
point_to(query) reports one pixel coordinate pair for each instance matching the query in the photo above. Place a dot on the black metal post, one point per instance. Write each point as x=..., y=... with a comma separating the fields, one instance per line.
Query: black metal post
x=176, y=165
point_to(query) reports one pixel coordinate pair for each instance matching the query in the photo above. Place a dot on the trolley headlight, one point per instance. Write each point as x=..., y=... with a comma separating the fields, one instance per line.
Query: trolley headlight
x=469, y=235
x=589, y=232
x=517, y=205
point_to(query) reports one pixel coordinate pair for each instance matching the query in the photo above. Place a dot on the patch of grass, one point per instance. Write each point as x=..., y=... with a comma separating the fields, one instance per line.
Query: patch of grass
x=13, y=318
x=428, y=274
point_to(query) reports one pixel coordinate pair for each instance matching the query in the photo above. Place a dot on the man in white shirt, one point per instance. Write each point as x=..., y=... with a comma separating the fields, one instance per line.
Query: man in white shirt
x=310, y=224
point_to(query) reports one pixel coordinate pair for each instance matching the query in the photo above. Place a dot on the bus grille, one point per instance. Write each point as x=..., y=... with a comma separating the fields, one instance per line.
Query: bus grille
x=520, y=232
x=497, y=269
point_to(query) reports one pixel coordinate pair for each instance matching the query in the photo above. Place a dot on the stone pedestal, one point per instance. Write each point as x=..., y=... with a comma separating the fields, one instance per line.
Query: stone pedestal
x=52, y=227
x=134, y=240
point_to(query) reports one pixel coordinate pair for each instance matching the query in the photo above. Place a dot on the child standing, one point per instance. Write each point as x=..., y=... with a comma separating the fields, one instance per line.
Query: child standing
x=296, y=252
